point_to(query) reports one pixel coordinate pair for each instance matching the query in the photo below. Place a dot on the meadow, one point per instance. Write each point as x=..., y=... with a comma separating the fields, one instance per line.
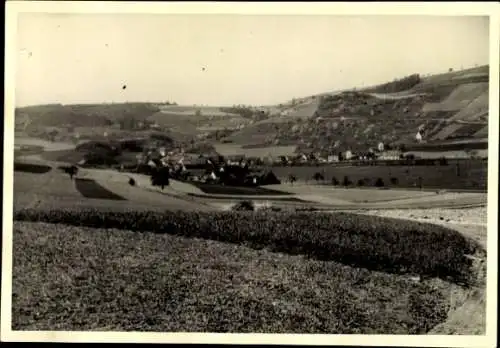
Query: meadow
x=469, y=175
x=78, y=278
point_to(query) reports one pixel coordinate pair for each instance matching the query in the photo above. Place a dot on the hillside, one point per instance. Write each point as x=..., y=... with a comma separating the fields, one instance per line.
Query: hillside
x=82, y=115
x=444, y=107
x=447, y=106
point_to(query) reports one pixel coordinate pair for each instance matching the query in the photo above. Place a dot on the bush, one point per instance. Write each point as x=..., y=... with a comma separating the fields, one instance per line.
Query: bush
x=131, y=182
x=318, y=176
x=394, y=181
x=335, y=182
x=361, y=182
x=379, y=182
x=371, y=242
x=244, y=206
x=346, y=182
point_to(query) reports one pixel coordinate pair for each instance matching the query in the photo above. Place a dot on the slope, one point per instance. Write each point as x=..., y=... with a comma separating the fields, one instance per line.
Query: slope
x=444, y=106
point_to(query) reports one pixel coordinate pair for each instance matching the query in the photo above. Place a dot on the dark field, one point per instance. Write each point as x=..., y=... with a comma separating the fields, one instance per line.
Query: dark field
x=90, y=189
x=236, y=190
x=31, y=168
x=375, y=243
x=77, y=278
x=469, y=175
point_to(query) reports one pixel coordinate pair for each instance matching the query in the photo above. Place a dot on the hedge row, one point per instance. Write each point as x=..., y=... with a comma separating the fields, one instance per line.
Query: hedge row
x=376, y=243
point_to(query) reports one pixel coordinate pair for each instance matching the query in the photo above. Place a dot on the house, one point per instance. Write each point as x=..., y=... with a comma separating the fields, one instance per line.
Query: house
x=418, y=137
x=390, y=155
x=348, y=155
x=332, y=158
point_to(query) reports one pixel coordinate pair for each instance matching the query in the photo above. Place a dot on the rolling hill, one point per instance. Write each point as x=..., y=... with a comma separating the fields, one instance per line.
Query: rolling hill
x=447, y=106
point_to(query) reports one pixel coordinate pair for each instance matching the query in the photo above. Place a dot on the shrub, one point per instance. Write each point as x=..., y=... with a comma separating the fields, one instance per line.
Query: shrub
x=244, y=206
x=394, y=181
x=379, y=182
x=131, y=182
x=318, y=176
x=362, y=241
x=346, y=182
x=335, y=182
x=361, y=182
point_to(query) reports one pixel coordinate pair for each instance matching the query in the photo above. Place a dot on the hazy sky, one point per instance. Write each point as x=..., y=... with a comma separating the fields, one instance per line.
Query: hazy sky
x=231, y=59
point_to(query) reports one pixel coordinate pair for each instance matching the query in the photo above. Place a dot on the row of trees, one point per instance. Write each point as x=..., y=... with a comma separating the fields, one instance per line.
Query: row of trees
x=346, y=181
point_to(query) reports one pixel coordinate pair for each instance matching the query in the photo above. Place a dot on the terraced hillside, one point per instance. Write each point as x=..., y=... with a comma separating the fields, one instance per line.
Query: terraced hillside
x=443, y=107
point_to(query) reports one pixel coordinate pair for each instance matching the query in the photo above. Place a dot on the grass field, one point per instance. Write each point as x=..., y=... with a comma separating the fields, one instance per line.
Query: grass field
x=54, y=189
x=90, y=189
x=232, y=190
x=251, y=151
x=471, y=175
x=76, y=278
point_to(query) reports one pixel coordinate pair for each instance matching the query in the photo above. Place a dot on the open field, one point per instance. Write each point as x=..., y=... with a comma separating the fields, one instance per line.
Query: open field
x=90, y=189
x=348, y=238
x=54, y=190
x=230, y=190
x=237, y=150
x=40, y=143
x=470, y=175
x=65, y=278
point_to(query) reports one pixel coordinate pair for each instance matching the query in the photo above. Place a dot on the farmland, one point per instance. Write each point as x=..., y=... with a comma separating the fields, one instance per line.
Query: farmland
x=67, y=278
x=219, y=303
x=90, y=189
x=469, y=175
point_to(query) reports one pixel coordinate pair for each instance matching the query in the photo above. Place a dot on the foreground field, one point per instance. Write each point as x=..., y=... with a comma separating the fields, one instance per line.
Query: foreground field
x=376, y=243
x=75, y=278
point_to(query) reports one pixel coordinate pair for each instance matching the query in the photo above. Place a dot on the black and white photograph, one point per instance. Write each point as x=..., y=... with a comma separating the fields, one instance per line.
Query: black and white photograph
x=220, y=169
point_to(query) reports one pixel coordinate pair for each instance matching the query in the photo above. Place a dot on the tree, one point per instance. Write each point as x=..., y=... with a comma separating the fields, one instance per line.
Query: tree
x=379, y=183
x=292, y=178
x=335, y=182
x=318, y=176
x=161, y=177
x=72, y=171
x=346, y=182
x=197, y=113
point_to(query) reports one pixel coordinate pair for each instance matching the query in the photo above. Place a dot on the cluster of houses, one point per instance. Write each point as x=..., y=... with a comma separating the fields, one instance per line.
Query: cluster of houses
x=179, y=161
x=205, y=168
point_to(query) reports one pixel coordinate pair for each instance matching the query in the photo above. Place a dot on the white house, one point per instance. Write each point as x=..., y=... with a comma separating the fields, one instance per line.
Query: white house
x=381, y=146
x=332, y=158
x=390, y=155
x=418, y=137
x=348, y=155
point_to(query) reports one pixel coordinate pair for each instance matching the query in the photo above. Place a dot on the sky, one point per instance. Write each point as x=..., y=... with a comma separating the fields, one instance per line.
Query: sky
x=231, y=59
